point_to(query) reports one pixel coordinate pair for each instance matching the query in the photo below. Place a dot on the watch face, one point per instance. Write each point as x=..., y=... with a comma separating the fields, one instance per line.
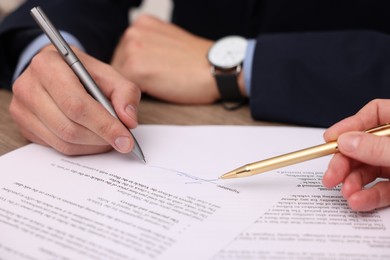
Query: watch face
x=228, y=52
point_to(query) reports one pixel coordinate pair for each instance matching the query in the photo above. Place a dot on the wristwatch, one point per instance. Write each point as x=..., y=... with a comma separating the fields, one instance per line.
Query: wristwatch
x=226, y=57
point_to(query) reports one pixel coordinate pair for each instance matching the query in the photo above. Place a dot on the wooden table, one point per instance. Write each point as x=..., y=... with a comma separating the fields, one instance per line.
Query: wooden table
x=10, y=138
x=150, y=112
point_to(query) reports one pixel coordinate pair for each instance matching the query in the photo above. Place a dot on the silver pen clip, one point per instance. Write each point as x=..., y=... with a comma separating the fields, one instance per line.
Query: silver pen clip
x=53, y=34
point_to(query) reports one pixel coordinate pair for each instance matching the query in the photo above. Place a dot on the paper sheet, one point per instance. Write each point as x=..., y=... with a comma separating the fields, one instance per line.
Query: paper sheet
x=111, y=206
x=313, y=223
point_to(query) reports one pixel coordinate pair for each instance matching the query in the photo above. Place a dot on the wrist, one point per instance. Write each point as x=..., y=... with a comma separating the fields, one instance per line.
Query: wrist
x=241, y=84
x=226, y=58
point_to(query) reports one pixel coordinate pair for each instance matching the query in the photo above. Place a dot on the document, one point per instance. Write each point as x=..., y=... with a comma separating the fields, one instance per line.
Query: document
x=112, y=206
x=312, y=222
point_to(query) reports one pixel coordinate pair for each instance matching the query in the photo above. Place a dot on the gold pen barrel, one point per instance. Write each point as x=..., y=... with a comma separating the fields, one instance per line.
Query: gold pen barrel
x=304, y=154
x=282, y=160
x=292, y=158
x=296, y=157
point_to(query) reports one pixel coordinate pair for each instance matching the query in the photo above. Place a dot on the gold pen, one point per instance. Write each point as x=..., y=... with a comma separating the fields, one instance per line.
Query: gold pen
x=295, y=157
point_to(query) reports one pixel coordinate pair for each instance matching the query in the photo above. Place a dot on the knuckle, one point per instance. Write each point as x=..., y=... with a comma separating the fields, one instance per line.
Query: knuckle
x=22, y=89
x=74, y=108
x=132, y=33
x=376, y=101
x=18, y=88
x=65, y=148
x=67, y=133
x=107, y=130
x=39, y=62
x=135, y=69
x=377, y=148
x=375, y=104
x=135, y=92
x=381, y=147
x=135, y=43
x=144, y=21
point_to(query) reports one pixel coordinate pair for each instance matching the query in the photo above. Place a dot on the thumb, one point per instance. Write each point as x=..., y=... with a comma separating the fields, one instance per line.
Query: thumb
x=365, y=147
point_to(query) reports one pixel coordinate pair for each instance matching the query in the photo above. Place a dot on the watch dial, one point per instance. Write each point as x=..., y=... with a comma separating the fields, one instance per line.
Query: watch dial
x=228, y=52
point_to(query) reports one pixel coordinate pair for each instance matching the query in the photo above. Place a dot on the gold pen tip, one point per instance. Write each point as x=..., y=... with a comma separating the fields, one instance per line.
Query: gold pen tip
x=240, y=172
x=229, y=175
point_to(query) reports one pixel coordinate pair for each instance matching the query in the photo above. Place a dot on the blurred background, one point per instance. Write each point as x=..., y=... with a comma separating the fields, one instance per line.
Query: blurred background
x=7, y=6
x=159, y=8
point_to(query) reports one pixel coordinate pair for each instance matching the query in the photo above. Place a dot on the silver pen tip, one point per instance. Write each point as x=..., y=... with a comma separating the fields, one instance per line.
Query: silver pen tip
x=137, y=149
x=138, y=152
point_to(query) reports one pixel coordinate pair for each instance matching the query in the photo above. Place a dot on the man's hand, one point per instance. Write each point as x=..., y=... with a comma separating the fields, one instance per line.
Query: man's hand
x=166, y=62
x=52, y=108
x=363, y=158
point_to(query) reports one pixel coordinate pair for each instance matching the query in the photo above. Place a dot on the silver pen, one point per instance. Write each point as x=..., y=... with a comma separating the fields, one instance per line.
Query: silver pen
x=78, y=68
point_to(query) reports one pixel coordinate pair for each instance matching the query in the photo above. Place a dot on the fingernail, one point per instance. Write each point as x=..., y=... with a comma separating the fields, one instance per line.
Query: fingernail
x=132, y=113
x=123, y=144
x=350, y=142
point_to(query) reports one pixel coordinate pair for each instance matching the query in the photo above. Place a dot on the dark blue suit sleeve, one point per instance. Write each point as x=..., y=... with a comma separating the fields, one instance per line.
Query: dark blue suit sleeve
x=97, y=24
x=318, y=78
